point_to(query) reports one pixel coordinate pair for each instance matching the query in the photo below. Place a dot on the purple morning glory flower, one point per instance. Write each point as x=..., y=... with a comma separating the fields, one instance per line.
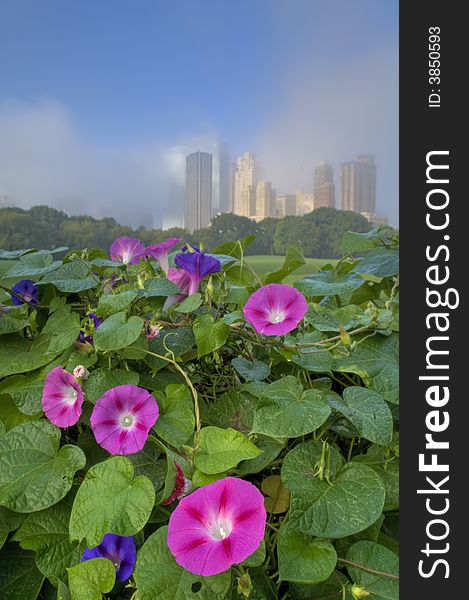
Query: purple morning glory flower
x=122, y=418
x=120, y=550
x=96, y=323
x=62, y=398
x=127, y=250
x=161, y=251
x=27, y=289
x=197, y=265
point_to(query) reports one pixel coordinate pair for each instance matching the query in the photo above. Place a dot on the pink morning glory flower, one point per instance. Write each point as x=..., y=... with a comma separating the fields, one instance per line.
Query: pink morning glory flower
x=127, y=250
x=62, y=398
x=122, y=418
x=197, y=265
x=217, y=526
x=161, y=251
x=275, y=309
x=180, y=278
x=121, y=551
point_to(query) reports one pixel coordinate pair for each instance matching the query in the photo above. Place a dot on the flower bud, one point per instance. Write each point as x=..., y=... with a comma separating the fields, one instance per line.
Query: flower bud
x=80, y=372
x=182, y=486
x=344, y=337
x=244, y=585
x=152, y=332
x=359, y=592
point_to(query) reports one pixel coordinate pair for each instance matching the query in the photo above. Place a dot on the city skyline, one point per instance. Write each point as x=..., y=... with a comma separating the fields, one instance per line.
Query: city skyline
x=256, y=198
x=105, y=127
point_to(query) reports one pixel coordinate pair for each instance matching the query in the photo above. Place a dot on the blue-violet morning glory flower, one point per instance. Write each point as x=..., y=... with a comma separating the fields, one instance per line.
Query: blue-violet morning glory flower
x=96, y=323
x=197, y=265
x=121, y=551
x=27, y=289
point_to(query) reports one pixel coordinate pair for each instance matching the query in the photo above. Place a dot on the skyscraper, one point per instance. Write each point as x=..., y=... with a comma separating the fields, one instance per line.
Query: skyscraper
x=246, y=176
x=265, y=201
x=358, y=185
x=286, y=205
x=198, y=210
x=324, y=191
x=304, y=202
x=221, y=178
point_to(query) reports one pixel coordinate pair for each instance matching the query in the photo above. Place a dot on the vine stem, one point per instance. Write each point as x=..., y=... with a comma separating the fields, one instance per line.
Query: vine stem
x=336, y=338
x=363, y=568
x=189, y=384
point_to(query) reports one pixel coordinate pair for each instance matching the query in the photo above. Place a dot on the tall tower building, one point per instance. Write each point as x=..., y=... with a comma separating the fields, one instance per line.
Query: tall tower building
x=286, y=205
x=198, y=210
x=246, y=176
x=265, y=201
x=358, y=185
x=221, y=179
x=324, y=191
x=304, y=202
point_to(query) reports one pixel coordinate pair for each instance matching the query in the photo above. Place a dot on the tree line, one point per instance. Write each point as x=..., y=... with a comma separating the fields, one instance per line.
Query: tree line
x=317, y=233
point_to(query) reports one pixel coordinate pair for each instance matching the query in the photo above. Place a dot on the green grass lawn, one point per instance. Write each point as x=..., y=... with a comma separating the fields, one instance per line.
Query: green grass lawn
x=266, y=264
x=5, y=265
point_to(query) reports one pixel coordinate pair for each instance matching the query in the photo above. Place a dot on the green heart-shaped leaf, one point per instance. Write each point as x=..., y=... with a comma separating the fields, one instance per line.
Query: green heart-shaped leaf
x=110, y=500
x=376, y=557
x=176, y=421
x=46, y=532
x=286, y=410
x=117, y=332
x=71, y=277
x=20, y=579
x=209, y=334
x=351, y=503
x=330, y=500
x=91, y=579
x=222, y=449
x=303, y=559
x=367, y=411
x=34, y=473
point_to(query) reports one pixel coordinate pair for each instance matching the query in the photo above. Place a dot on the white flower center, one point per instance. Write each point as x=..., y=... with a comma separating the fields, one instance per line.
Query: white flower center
x=117, y=565
x=220, y=530
x=127, y=421
x=276, y=316
x=70, y=396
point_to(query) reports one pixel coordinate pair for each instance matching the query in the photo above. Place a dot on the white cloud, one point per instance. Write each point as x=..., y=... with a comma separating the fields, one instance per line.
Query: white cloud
x=45, y=159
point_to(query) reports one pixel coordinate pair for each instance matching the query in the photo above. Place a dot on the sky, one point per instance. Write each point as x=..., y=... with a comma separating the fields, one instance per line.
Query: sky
x=100, y=99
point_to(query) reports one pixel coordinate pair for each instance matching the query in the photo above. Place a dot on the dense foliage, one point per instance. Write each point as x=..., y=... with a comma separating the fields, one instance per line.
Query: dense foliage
x=301, y=420
x=318, y=234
